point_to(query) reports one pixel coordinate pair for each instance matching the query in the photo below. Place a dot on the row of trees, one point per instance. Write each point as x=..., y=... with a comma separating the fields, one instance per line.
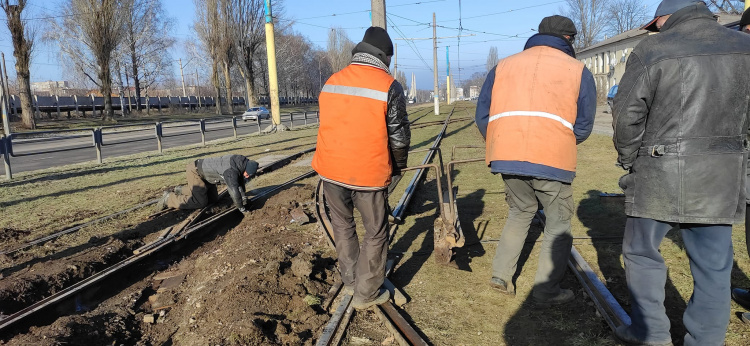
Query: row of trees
x=232, y=35
x=116, y=44
x=596, y=18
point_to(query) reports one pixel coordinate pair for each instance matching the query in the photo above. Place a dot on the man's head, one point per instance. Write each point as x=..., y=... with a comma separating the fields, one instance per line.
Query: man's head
x=376, y=42
x=558, y=26
x=745, y=22
x=667, y=8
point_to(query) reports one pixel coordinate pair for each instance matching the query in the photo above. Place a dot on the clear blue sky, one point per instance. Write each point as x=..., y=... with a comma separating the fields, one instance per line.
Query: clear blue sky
x=504, y=24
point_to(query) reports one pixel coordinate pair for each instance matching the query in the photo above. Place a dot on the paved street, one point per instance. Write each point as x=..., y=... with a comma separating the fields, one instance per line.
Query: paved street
x=80, y=148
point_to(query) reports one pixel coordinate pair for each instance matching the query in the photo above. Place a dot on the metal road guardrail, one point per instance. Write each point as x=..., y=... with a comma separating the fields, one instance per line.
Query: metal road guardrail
x=150, y=131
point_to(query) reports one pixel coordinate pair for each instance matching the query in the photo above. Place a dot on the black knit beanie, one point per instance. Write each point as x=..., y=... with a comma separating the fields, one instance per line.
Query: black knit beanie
x=379, y=38
x=557, y=25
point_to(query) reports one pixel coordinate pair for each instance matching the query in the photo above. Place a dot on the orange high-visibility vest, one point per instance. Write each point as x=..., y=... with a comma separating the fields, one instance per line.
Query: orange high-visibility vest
x=534, y=107
x=352, y=144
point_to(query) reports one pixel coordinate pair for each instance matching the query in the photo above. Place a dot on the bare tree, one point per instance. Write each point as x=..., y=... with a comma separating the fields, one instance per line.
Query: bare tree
x=492, y=58
x=249, y=34
x=339, y=49
x=401, y=78
x=726, y=6
x=88, y=33
x=145, y=51
x=590, y=18
x=624, y=15
x=23, y=43
x=208, y=27
x=227, y=50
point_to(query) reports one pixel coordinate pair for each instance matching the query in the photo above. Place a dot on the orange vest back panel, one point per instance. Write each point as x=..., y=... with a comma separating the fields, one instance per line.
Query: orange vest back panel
x=534, y=107
x=352, y=138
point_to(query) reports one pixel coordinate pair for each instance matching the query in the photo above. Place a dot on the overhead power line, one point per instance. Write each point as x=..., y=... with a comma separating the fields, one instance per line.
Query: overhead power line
x=409, y=42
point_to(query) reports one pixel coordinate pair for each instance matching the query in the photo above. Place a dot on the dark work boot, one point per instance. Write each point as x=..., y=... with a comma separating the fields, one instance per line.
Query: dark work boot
x=382, y=298
x=623, y=335
x=741, y=296
x=502, y=286
x=563, y=297
x=745, y=317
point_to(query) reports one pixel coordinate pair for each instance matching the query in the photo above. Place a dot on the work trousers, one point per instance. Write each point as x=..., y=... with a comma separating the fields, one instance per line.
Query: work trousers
x=522, y=194
x=709, y=249
x=362, y=268
x=196, y=194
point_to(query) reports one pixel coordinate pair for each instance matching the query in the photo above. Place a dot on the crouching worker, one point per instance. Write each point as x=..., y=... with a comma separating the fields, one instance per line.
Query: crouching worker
x=202, y=177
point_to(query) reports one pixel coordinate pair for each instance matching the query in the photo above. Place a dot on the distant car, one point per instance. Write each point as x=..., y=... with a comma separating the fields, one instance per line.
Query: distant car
x=611, y=97
x=256, y=113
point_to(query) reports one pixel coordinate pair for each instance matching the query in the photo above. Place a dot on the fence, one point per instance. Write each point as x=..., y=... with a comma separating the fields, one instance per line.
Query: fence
x=83, y=104
x=76, y=139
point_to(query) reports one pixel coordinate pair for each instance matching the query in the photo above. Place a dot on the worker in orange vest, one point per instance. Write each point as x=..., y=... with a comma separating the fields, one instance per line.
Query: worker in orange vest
x=534, y=107
x=363, y=141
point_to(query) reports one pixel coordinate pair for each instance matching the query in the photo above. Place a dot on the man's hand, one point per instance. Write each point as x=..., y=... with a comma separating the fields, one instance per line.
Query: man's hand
x=244, y=211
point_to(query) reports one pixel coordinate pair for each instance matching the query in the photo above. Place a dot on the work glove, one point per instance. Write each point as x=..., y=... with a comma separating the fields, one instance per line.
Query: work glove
x=244, y=211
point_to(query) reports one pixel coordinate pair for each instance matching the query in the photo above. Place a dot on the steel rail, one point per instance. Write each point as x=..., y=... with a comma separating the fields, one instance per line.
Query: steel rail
x=604, y=302
x=71, y=229
x=400, y=209
x=338, y=320
x=157, y=246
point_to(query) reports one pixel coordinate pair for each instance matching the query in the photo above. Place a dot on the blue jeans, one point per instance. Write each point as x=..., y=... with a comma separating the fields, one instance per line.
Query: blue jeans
x=709, y=248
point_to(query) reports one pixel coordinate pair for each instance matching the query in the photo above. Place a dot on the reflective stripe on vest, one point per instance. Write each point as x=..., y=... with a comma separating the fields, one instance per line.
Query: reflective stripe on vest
x=352, y=148
x=356, y=91
x=534, y=108
x=533, y=114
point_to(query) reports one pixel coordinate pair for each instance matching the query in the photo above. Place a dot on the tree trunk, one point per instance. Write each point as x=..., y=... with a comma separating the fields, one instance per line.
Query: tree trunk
x=27, y=109
x=136, y=79
x=216, y=86
x=228, y=81
x=105, y=77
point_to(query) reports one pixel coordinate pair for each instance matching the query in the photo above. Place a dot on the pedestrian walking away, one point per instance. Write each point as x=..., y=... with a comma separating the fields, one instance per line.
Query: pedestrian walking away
x=680, y=122
x=533, y=109
x=203, y=176
x=363, y=141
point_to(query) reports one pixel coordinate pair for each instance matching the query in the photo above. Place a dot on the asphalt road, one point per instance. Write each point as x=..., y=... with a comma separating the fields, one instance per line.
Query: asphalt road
x=35, y=154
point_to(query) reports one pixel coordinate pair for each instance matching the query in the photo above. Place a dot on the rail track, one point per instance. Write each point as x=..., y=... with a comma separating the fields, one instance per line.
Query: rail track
x=388, y=313
x=77, y=227
x=191, y=226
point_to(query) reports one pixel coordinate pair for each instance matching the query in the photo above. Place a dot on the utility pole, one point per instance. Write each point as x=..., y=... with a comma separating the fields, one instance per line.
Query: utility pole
x=378, y=13
x=448, y=74
x=435, y=65
x=273, y=79
x=395, y=59
x=184, y=94
x=747, y=4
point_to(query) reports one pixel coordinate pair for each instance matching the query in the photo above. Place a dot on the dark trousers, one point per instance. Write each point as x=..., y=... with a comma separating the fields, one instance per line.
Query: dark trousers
x=196, y=194
x=363, y=268
x=709, y=248
x=522, y=194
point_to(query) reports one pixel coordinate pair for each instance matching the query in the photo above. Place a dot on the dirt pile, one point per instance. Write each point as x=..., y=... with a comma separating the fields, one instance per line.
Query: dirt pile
x=261, y=283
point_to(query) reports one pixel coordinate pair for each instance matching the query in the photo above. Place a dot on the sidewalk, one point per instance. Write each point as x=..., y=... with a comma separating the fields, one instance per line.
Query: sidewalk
x=603, y=121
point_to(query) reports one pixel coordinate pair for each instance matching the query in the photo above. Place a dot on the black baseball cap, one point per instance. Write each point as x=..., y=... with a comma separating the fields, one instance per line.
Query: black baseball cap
x=667, y=7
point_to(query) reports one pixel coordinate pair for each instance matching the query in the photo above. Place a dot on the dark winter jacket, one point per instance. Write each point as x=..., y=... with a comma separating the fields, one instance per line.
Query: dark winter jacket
x=681, y=119
x=582, y=128
x=228, y=170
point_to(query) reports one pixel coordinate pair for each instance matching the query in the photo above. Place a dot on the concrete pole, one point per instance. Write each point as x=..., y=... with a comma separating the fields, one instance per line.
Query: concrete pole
x=448, y=74
x=197, y=89
x=395, y=59
x=436, y=97
x=747, y=4
x=273, y=81
x=184, y=94
x=378, y=14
